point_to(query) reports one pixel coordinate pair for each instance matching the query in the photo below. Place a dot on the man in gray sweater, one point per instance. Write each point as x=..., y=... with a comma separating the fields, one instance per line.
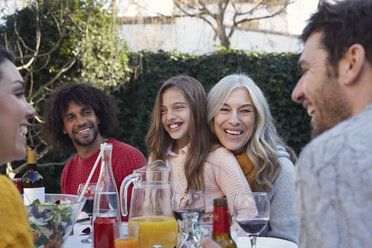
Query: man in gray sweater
x=334, y=171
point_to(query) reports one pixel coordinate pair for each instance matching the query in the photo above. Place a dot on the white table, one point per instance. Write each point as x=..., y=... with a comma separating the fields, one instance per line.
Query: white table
x=74, y=241
x=264, y=242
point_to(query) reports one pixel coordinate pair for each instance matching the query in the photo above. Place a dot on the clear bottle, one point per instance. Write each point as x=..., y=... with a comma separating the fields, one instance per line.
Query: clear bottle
x=221, y=225
x=33, y=184
x=106, y=202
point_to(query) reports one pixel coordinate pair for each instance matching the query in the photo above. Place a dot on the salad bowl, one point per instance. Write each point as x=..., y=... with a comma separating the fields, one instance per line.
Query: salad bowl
x=52, y=222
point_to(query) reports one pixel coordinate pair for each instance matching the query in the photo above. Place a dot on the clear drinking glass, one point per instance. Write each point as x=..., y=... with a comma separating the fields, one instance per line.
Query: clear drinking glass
x=89, y=194
x=126, y=236
x=88, y=207
x=252, y=212
x=189, y=201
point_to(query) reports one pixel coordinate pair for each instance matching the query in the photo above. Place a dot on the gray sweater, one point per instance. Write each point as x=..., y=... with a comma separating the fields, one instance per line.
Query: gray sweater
x=334, y=186
x=283, y=222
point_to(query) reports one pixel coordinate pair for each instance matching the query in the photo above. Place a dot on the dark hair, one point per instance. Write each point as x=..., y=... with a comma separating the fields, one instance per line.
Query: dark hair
x=4, y=54
x=158, y=140
x=81, y=94
x=343, y=24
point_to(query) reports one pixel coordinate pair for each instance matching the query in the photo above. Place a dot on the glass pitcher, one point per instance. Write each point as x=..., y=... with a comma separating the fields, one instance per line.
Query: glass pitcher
x=150, y=205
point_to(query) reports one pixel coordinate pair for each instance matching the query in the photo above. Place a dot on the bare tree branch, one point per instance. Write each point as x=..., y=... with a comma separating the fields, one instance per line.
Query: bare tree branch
x=214, y=13
x=64, y=68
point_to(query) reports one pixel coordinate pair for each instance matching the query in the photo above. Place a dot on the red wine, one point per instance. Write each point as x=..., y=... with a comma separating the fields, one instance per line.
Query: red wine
x=254, y=226
x=104, y=232
x=88, y=206
x=178, y=213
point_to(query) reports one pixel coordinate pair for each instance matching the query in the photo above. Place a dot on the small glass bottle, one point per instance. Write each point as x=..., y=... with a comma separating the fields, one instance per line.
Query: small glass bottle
x=33, y=184
x=106, y=202
x=221, y=225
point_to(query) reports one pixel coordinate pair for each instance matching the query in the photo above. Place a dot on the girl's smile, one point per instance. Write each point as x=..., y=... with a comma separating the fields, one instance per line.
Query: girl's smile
x=175, y=116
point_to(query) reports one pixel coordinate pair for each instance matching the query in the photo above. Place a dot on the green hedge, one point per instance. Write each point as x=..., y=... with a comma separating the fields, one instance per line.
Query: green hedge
x=275, y=74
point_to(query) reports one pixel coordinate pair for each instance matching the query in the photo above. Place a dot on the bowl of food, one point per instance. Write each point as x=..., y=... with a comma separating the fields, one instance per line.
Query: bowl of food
x=51, y=222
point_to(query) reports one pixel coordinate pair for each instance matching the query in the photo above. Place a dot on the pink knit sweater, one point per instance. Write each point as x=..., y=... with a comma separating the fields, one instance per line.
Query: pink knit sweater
x=222, y=177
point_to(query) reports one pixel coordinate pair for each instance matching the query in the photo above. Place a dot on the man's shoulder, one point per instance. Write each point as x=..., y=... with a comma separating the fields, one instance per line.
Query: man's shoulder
x=353, y=129
x=342, y=141
x=126, y=152
x=119, y=145
x=73, y=159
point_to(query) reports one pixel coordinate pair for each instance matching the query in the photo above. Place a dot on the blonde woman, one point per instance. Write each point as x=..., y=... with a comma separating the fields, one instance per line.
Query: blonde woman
x=239, y=118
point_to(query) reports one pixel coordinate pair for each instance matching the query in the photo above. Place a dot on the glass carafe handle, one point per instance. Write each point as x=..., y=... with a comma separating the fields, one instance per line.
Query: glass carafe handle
x=124, y=191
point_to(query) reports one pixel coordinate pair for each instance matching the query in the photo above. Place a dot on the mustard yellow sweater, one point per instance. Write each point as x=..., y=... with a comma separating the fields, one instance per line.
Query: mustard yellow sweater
x=14, y=228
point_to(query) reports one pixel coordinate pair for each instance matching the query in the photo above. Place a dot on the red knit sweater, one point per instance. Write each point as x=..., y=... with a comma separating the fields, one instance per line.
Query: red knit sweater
x=125, y=159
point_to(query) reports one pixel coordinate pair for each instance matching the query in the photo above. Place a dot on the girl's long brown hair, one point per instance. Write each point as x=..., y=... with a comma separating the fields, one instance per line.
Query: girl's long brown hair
x=158, y=140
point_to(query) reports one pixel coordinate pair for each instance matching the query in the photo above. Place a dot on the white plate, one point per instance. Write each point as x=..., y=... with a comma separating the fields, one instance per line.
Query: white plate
x=264, y=242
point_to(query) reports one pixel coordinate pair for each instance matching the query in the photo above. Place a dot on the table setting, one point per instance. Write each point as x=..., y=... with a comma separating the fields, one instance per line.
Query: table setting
x=74, y=240
x=157, y=216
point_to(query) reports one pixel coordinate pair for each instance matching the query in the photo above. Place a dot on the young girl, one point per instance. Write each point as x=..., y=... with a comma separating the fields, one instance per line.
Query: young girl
x=179, y=134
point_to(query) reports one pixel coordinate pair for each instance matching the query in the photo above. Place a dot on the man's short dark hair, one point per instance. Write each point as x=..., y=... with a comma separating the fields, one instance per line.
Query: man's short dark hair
x=4, y=54
x=343, y=24
x=81, y=94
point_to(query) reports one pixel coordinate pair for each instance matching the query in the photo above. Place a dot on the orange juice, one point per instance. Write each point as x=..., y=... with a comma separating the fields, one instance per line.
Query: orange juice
x=156, y=230
x=126, y=243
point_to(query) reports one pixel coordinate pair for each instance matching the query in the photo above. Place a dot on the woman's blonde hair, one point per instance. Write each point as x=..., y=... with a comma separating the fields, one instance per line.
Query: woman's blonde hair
x=158, y=140
x=262, y=146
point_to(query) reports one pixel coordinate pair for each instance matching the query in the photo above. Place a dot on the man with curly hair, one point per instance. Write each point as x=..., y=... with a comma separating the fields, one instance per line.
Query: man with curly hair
x=84, y=117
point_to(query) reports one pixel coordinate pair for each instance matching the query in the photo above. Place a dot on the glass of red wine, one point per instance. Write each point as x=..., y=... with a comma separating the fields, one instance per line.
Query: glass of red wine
x=88, y=207
x=252, y=212
x=189, y=201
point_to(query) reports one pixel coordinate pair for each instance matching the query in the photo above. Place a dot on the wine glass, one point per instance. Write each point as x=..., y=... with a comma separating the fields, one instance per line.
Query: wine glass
x=252, y=212
x=88, y=207
x=188, y=201
x=184, y=204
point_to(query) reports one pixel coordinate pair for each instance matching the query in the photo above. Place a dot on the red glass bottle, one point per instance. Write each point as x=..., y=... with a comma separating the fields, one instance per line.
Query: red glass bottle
x=221, y=225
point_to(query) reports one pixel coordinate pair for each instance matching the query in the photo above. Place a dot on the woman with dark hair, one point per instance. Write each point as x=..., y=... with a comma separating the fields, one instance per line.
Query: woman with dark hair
x=14, y=114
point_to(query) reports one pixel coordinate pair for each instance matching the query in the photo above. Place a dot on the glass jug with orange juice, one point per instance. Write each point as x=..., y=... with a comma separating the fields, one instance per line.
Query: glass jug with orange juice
x=150, y=206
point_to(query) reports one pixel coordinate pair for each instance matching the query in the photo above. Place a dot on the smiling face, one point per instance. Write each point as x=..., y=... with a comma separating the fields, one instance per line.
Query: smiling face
x=175, y=116
x=14, y=113
x=81, y=124
x=234, y=122
x=318, y=89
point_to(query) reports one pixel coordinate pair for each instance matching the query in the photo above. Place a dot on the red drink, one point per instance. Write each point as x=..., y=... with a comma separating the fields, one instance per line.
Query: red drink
x=104, y=232
x=18, y=183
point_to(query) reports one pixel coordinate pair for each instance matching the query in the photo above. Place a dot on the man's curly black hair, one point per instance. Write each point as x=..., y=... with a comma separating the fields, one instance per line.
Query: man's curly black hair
x=81, y=94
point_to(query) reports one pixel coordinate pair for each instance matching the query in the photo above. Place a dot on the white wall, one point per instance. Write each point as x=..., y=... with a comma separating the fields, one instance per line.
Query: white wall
x=191, y=35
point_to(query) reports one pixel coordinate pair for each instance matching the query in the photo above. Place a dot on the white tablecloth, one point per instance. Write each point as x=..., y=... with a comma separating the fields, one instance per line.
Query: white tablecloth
x=263, y=242
x=74, y=241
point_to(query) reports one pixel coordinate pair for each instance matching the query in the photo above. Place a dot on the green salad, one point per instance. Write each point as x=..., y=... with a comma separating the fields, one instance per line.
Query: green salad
x=48, y=222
